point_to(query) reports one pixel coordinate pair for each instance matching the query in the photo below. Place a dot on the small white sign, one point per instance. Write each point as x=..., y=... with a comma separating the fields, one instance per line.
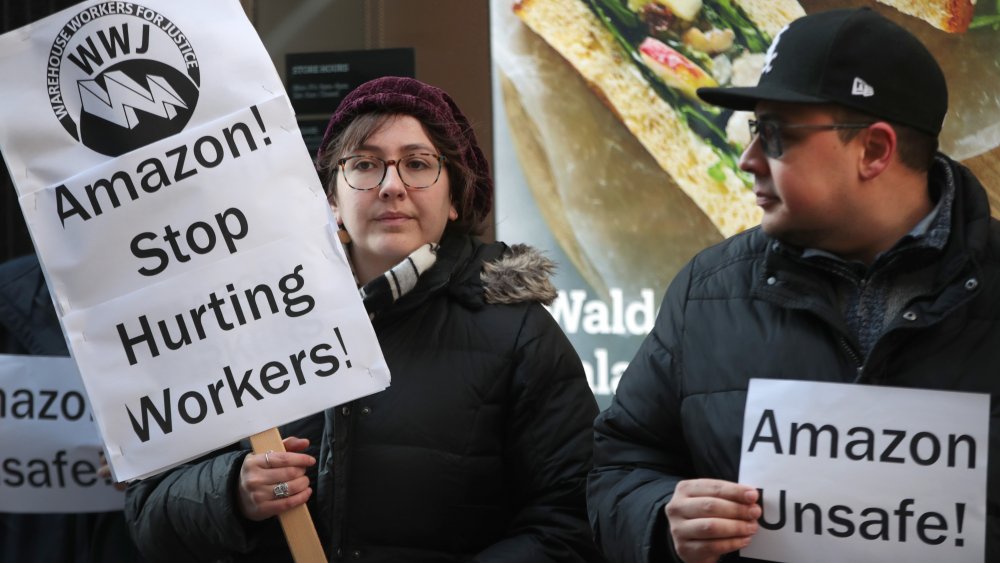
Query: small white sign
x=866, y=473
x=49, y=446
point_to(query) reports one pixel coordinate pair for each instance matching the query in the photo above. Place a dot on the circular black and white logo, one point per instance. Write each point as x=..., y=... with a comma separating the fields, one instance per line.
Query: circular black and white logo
x=121, y=76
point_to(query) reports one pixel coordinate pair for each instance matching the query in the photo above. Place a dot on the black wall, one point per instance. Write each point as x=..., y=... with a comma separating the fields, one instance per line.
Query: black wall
x=14, y=239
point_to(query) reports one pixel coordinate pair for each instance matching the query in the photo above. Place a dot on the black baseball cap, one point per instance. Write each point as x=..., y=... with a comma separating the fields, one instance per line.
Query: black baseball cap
x=853, y=58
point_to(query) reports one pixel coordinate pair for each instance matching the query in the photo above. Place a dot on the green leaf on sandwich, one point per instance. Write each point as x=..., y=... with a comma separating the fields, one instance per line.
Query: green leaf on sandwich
x=680, y=45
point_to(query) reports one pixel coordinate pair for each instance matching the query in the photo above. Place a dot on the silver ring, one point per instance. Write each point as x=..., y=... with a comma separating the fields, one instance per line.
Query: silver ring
x=267, y=460
x=281, y=490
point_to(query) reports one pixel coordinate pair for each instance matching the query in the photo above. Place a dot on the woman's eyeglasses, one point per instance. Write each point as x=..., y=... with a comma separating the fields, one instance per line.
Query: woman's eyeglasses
x=417, y=171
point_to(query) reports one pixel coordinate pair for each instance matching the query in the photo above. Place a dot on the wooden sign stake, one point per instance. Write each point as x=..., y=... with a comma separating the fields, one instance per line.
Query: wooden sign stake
x=300, y=532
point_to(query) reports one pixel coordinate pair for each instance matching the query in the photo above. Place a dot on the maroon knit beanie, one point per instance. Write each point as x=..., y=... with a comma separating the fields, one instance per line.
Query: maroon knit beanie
x=393, y=94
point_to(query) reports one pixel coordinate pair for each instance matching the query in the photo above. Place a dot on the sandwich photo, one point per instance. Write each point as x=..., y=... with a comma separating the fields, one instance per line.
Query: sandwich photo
x=639, y=63
x=674, y=47
x=953, y=16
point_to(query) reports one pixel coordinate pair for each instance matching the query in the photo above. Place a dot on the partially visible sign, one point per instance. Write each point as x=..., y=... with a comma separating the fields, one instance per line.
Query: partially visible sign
x=49, y=446
x=318, y=81
x=866, y=473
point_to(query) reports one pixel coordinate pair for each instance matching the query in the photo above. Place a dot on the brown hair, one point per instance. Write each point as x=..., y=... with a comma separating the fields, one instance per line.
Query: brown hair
x=915, y=148
x=463, y=180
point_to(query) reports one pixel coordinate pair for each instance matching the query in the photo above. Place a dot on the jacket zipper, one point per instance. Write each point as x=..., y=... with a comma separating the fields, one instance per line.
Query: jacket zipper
x=858, y=364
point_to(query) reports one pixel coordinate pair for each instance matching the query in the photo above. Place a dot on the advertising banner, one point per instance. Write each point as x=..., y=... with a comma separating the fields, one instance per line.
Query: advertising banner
x=606, y=159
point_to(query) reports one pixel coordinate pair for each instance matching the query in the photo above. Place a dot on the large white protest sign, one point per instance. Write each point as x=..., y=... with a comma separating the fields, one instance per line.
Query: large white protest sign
x=183, y=231
x=866, y=473
x=49, y=443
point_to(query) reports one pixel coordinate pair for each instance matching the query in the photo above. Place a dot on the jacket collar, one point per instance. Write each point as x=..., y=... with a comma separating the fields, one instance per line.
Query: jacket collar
x=786, y=279
x=475, y=274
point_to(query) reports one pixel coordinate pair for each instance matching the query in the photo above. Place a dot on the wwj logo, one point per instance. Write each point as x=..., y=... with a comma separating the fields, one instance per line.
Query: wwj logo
x=121, y=76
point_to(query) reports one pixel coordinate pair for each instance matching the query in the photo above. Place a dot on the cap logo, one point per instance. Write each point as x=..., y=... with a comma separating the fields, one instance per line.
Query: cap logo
x=772, y=52
x=862, y=88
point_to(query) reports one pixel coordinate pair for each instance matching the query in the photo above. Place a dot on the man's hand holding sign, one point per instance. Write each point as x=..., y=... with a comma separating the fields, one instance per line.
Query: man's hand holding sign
x=863, y=484
x=710, y=517
x=184, y=234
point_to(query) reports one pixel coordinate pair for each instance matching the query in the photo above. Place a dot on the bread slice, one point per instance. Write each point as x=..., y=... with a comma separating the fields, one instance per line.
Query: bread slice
x=573, y=30
x=952, y=16
x=771, y=15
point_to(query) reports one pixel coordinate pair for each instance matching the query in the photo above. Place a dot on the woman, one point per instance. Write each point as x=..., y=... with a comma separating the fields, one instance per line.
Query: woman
x=479, y=449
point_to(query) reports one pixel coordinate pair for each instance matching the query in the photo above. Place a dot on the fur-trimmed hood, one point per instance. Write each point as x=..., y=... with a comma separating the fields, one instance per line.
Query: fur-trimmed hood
x=477, y=274
x=521, y=274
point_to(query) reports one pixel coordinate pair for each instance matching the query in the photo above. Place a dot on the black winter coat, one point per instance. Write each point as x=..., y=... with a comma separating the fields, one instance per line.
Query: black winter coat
x=28, y=325
x=749, y=307
x=478, y=451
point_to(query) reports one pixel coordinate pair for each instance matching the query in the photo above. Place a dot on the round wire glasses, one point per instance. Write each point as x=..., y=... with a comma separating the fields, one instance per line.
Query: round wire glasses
x=417, y=171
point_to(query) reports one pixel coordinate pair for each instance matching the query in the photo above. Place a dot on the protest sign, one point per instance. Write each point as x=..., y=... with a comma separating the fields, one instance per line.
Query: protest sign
x=866, y=473
x=184, y=233
x=51, y=449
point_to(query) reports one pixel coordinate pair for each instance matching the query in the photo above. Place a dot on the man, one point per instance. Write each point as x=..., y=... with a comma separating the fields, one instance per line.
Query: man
x=876, y=263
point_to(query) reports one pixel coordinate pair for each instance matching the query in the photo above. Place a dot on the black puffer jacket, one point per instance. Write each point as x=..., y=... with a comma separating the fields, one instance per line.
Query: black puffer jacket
x=749, y=307
x=28, y=322
x=478, y=451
